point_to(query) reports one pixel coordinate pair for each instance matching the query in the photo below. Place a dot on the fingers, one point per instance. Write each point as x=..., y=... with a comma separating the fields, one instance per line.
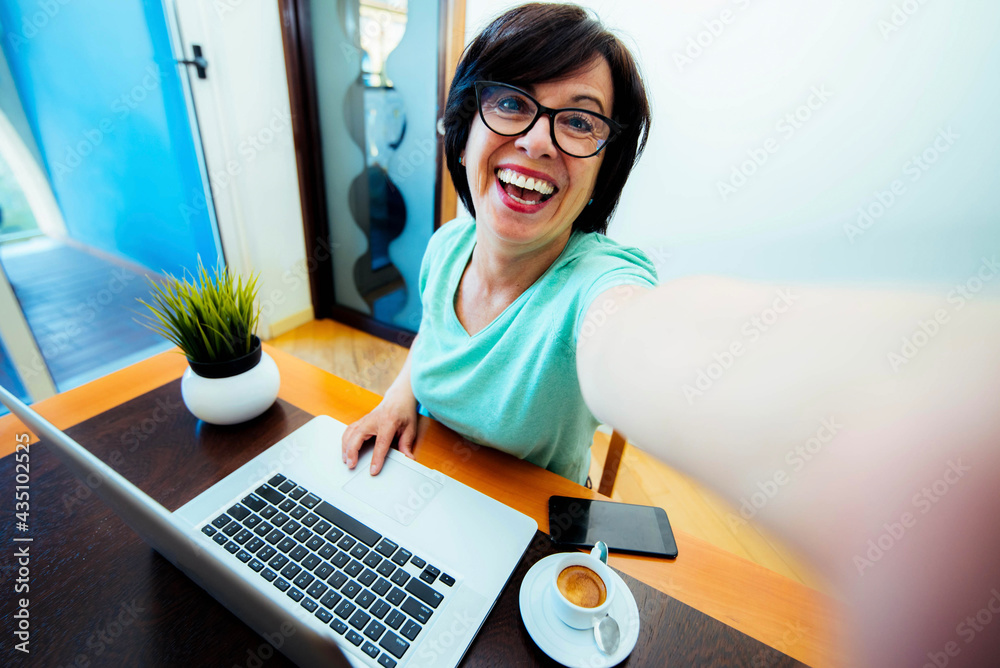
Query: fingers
x=382, y=443
x=354, y=436
x=407, y=438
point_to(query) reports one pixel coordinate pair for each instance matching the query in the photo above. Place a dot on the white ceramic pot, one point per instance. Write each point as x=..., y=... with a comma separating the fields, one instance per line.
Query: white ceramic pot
x=231, y=392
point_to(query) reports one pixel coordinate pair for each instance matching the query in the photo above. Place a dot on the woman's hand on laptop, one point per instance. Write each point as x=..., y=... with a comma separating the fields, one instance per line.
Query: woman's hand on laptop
x=396, y=415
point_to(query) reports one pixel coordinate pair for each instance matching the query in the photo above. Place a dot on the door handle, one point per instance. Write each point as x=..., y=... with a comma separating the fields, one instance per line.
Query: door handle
x=199, y=62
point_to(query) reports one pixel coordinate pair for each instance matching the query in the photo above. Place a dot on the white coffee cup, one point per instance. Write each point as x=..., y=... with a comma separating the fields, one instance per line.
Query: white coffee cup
x=570, y=613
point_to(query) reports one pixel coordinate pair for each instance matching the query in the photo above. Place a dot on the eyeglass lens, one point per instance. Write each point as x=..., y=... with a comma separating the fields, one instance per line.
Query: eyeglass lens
x=508, y=111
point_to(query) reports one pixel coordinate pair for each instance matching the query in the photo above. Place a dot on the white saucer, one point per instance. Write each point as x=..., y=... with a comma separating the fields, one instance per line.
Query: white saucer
x=573, y=647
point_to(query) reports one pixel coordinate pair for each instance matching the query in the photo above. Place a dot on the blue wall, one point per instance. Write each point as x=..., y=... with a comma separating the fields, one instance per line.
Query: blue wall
x=102, y=95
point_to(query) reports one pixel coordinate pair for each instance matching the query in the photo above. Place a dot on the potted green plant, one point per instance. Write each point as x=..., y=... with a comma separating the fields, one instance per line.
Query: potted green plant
x=213, y=318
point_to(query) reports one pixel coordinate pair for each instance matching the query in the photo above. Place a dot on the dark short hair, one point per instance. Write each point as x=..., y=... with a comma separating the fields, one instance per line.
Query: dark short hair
x=536, y=43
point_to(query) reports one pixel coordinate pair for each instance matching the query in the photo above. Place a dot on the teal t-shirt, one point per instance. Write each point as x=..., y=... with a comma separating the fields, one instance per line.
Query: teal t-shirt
x=513, y=385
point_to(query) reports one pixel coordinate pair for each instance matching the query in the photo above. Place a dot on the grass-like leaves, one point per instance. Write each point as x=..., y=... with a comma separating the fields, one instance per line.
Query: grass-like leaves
x=212, y=318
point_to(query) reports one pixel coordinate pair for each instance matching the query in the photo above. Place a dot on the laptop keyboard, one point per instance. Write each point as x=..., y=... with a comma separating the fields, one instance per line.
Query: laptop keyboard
x=375, y=593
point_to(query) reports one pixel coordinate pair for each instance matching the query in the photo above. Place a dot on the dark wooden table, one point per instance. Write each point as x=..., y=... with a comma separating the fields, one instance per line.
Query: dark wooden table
x=99, y=596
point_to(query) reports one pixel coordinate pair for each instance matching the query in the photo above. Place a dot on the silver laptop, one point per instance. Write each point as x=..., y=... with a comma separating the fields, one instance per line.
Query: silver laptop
x=340, y=567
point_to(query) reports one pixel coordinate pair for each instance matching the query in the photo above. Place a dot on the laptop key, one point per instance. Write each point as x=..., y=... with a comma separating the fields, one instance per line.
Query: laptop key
x=424, y=593
x=340, y=559
x=310, y=562
x=268, y=574
x=368, y=577
x=351, y=589
x=277, y=480
x=286, y=487
x=327, y=551
x=310, y=501
x=286, y=505
x=359, y=551
x=330, y=599
x=359, y=619
x=410, y=630
x=365, y=599
x=279, y=519
x=416, y=609
x=338, y=626
x=374, y=630
x=278, y=562
x=286, y=544
x=290, y=527
x=401, y=557
x=231, y=547
x=310, y=519
x=298, y=512
x=297, y=493
x=429, y=575
x=386, y=547
x=281, y=584
x=380, y=609
x=291, y=570
x=334, y=534
x=345, y=609
x=268, y=512
x=254, y=502
x=337, y=580
x=394, y=644
x=263, y=529
x=386, y=568
x=232, y=529
x=369, y=649
x=256, y=564
x=346, y=543
x=209, y=530
x=382, y=586
x=295, y=594
x=322, y=527
x=386, y=661
x=353, y=568
x=323, y=571
x=417, y=561
x=400, y=576
x=275, y=537
x=309, y=604
x=394, y=619
x=298, y=552
x=253, y=545
x=396, y=596
x=317, y=589
x=324, y=615
x=372, y=560
x=303, y=535
x=221, y=521
x=252, y=521
x=447, y=579
x=315, y=543
x=266, y=553
x=220, y=538
x=244, y=556
x=238, y=512
x=304, y=579
x=361, y=531
x=271, y=494
x=242, y=537
x=354, y=637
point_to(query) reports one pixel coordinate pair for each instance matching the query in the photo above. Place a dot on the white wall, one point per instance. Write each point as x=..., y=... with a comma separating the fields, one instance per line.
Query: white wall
x=894, y=89
x=244, y=114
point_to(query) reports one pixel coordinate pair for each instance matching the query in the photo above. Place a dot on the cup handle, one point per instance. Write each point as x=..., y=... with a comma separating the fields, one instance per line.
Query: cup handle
x=600, y=551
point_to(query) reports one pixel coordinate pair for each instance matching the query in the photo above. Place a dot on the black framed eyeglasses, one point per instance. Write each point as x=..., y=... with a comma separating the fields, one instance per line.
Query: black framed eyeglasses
x=510, y=111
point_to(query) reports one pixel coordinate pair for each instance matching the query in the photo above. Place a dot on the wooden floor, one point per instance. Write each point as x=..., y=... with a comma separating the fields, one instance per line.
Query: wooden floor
x=373, y=364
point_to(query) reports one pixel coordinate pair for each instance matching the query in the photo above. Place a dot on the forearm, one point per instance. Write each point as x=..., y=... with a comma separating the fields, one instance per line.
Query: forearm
x=401, y=388
x=821, y=421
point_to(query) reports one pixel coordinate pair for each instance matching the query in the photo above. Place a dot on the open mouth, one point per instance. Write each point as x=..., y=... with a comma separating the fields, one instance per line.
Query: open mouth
x=525, y=189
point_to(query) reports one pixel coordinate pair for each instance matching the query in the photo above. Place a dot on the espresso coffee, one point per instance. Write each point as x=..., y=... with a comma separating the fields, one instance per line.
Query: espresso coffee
x=582, y=586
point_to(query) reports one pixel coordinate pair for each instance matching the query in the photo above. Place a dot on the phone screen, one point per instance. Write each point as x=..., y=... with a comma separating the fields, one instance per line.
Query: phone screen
x=623, y=526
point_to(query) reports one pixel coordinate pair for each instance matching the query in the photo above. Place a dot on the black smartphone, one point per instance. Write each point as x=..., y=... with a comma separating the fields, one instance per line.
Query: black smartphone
x=623, y=526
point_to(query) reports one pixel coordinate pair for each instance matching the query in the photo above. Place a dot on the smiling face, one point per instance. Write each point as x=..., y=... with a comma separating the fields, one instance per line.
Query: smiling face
x=532, y=215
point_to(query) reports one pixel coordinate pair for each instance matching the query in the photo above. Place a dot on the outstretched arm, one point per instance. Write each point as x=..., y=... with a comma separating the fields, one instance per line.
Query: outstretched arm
x=862, y=426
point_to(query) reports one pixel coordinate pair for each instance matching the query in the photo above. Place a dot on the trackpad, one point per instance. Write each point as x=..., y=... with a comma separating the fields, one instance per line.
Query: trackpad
x=398, y=491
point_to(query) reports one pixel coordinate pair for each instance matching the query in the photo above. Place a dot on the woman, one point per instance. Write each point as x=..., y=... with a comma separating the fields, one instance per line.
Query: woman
x=545, y=118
